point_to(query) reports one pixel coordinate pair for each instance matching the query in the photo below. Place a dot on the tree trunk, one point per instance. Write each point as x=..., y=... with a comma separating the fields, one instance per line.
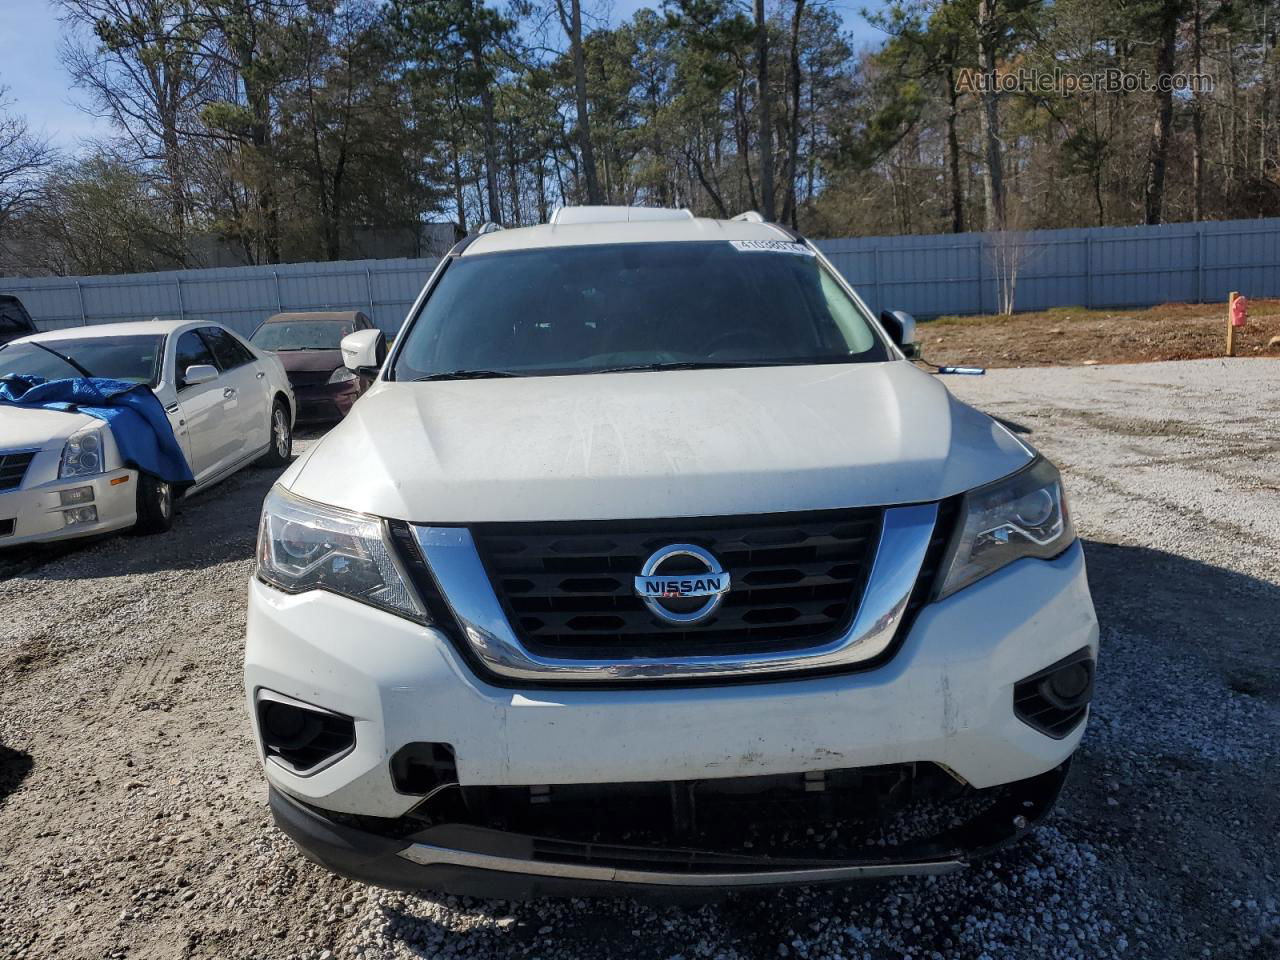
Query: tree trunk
x=764, y=111
x=741, y=130
x=789, y=212
x=989, y=116
x=1197, y=126
x=572, y=23
x=1158, y=152
x=458, y=185
x=953, y=153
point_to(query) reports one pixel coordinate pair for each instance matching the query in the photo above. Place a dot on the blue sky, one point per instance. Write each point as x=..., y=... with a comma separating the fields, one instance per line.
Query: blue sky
x=40, y=89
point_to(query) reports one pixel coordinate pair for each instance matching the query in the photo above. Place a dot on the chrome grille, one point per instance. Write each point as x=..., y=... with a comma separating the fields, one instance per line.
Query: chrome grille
x=13, y=467
x=567, y=587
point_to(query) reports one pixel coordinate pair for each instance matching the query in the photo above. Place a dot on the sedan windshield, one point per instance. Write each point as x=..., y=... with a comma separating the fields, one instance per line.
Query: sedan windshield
x=593, y=309
x=300, y=335
x=133, y=359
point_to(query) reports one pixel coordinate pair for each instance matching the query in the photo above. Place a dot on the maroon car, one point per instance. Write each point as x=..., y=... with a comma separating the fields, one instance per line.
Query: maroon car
x=308, y=346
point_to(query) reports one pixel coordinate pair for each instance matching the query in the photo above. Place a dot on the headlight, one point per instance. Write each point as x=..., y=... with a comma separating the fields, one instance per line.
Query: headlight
x=342, y=375
x=1024, y=515
x=82, y=455
x=310, y=546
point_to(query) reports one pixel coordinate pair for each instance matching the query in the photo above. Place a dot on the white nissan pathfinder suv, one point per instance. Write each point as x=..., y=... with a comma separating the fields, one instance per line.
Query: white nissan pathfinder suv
x=650, y=561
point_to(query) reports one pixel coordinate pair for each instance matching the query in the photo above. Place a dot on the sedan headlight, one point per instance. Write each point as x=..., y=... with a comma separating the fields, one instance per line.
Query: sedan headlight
x=1024, y=515
x=82, y=454
x=342, y=375
x=310, y=546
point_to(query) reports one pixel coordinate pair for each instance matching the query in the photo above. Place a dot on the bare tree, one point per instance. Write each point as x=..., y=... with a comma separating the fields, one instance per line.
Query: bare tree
x=1008, y=251
x=144, y=73
x=24, y=157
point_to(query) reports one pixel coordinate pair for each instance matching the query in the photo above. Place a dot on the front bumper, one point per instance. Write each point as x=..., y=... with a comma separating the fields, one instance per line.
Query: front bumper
x=475, y=861
x=37, y=511
x=946, y=697
x=326, y=401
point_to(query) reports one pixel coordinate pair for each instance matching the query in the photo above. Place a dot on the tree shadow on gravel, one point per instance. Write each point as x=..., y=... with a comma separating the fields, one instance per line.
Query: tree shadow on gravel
x=1229, y=622
x=15, y=766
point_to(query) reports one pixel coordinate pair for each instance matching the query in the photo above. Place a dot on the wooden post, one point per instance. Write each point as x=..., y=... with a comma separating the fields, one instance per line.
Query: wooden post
x=1231, y=330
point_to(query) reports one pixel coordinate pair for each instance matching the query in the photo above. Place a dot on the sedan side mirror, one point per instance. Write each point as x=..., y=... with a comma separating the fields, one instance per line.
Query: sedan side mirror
x=364, y=351
x=199, y=373
x=901, y=327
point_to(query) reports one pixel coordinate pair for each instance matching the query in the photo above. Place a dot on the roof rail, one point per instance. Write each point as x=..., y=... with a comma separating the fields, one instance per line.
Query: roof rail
x=615, y=214
x=488, y=227
x=749, y=216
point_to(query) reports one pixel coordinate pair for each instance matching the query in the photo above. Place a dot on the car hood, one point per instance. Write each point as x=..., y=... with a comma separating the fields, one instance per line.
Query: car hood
x=34, y=428
x=668, y=444
x=309, y=361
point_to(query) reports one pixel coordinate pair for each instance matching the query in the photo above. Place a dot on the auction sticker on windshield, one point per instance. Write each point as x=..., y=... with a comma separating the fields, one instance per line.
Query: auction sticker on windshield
x=771, y=246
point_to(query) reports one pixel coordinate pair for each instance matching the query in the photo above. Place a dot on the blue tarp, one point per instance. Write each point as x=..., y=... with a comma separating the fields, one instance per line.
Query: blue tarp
x=135, y=415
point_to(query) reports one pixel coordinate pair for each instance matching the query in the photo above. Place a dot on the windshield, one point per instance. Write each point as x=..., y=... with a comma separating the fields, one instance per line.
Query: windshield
x=588, y=309
x=301, y=335
x=135, y=359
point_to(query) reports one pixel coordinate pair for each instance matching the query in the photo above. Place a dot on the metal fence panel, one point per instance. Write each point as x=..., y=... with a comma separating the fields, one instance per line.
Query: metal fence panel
x=1089, y=267
x=924, y=275
x=239, y=297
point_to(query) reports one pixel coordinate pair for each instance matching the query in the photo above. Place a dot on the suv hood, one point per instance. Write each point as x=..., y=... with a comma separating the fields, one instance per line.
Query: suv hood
x=34, y=428
x=671, y=444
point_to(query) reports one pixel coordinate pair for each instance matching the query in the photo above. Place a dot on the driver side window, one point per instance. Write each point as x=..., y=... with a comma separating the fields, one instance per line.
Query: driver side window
x=191, y=351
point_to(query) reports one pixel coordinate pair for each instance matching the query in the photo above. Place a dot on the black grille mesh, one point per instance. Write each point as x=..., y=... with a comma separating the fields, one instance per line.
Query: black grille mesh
x=13, y=467
x=567, y=587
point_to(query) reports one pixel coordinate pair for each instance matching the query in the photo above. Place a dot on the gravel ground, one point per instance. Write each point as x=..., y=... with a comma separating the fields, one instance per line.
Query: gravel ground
x=132, y=811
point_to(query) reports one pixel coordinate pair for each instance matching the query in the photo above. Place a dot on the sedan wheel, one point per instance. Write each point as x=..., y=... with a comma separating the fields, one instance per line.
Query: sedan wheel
x=155, y=505
x=281, y=447
x=280, y=433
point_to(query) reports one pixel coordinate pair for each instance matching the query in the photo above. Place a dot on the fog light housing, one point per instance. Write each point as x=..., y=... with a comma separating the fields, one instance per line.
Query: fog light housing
x=1068, y=685
x=75, y=495
x=79, y=515
x=300, y=737
x=1054, y=700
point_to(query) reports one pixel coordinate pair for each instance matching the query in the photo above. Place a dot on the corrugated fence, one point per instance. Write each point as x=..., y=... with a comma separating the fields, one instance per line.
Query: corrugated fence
x=924, y=275
x=1092, y=267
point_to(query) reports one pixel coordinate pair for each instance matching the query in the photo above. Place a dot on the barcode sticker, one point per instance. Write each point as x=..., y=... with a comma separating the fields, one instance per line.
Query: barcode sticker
x=771, y=246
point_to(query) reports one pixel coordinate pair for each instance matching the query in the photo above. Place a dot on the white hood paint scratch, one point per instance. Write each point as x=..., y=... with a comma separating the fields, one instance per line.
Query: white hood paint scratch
x=633, y=445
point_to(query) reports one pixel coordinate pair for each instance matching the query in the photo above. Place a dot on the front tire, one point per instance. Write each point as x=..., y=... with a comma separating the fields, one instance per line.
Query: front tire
x=155, y=505
x=281, y=448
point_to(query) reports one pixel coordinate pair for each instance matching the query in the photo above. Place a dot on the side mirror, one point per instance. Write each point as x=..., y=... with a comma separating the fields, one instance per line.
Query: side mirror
x=901, y=327
x=199, y=373
x=364, y=351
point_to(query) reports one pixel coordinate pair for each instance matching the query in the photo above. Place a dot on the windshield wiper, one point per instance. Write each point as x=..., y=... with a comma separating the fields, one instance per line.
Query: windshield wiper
x=703, y=365
x=468, y=375
x=64, y=359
